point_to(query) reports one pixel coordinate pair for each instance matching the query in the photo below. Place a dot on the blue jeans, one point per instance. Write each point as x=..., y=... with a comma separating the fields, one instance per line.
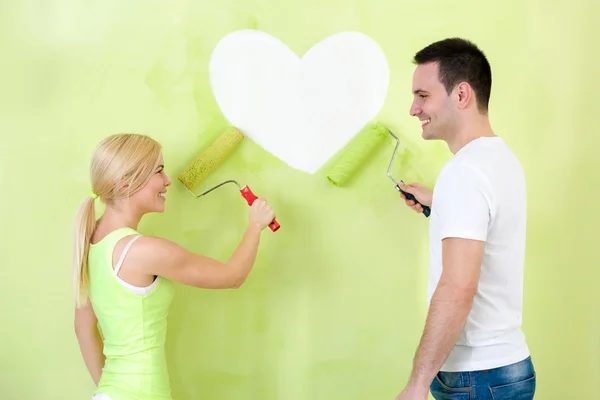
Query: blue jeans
x=515, y=382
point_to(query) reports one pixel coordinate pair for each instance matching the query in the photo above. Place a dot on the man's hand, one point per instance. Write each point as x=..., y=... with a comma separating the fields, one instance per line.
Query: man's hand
x=413, y=393
x=422, y=193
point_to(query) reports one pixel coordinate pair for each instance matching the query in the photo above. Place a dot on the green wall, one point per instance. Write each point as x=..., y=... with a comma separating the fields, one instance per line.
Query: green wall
x=336, y=303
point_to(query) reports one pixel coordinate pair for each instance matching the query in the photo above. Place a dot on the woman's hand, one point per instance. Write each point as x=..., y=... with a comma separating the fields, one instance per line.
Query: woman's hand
x=261, y=213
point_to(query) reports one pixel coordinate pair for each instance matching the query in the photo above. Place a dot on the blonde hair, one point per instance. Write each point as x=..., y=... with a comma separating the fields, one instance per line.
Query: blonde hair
x=121, y=160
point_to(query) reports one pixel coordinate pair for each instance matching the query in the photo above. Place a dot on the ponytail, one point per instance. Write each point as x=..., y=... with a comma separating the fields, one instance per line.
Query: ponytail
x=85, y=223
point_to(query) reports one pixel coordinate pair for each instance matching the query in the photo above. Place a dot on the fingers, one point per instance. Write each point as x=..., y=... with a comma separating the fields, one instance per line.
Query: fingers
x=408, y=189
x=418, y=208
x=269, y=211
x=261, y=205
x=415, y=206
x=404, y=187
x=408, y=202
x=412, y=204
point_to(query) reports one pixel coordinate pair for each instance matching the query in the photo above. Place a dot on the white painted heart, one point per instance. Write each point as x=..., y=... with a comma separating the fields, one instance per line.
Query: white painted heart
x=302, y=110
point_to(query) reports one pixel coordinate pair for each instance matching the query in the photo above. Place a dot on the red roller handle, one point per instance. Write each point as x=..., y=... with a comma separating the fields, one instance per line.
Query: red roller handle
x=250, y=197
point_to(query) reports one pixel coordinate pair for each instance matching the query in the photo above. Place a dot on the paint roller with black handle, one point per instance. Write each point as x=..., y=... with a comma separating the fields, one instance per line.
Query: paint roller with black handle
x=426, y=209
x=366, y=142
x=362, y=146
x=210, y=159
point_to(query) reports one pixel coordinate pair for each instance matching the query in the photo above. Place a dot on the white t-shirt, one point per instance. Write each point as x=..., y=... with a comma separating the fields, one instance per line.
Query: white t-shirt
x=480, y=194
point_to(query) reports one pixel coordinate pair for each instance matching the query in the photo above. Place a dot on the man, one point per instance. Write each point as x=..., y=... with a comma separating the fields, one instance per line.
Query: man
x=472, y=345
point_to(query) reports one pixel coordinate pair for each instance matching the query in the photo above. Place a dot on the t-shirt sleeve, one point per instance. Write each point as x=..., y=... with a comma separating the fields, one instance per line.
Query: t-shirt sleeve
x=463, y=204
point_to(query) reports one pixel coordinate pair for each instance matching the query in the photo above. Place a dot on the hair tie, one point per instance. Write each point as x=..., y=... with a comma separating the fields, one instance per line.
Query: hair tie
x=94, y=195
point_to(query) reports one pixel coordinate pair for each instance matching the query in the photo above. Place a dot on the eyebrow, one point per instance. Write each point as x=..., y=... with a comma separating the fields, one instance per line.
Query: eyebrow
x=418, y=91
x=160, y=166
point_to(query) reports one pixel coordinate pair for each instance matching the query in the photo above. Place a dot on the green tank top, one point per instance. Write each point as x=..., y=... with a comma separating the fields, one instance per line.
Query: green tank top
x=133, y=328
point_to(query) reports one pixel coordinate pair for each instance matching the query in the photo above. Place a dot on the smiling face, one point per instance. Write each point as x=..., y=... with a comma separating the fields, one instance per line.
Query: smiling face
x=432, y=105
x=152, y=197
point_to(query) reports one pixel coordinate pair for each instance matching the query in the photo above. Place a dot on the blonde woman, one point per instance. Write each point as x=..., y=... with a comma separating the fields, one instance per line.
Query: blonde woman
x=124, y=280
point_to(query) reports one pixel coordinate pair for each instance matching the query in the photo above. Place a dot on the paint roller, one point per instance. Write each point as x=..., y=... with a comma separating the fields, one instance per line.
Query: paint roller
x=210, y=159
x=426, y=209
x=366, y=142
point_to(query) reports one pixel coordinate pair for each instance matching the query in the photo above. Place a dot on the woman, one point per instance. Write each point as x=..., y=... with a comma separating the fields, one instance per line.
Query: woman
x=127, y=278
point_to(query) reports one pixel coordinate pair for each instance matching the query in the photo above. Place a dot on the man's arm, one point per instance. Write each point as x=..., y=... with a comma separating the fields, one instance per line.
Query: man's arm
x=464, y=206
x=449, y=308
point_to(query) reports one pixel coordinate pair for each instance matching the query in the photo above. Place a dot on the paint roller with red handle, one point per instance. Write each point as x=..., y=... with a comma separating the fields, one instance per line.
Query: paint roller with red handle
x=246, y=194
x=210, y=159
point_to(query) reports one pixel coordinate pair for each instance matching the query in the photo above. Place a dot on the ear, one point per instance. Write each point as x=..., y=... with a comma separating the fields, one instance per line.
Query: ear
x=122, y=186
x=465, y=95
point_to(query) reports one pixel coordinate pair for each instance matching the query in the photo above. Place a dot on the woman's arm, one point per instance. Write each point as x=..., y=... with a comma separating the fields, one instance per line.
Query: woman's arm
x=155, y=256
x=90, y=342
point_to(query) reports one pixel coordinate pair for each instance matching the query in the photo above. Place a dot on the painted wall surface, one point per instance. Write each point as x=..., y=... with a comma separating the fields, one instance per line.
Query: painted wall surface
x=336, y=303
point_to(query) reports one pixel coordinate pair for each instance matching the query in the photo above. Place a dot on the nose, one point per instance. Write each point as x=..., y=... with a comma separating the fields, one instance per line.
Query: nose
x=167, y=180
x=415, y=109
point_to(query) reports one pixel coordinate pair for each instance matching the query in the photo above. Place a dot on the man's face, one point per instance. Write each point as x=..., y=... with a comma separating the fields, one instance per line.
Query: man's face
x=431, y=104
